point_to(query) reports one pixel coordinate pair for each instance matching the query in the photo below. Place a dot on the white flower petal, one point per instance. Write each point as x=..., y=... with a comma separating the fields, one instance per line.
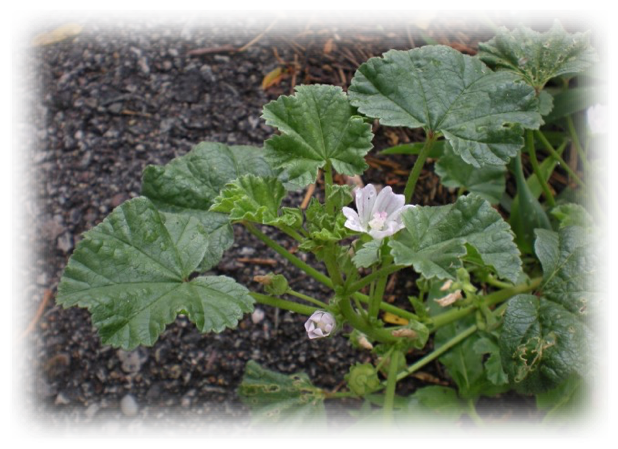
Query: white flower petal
x=352, y=222
x=388, y=202
x=365, y=200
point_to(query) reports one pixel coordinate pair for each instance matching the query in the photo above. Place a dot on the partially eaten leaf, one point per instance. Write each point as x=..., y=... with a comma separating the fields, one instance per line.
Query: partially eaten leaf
x=278, y=398
x=538, y=57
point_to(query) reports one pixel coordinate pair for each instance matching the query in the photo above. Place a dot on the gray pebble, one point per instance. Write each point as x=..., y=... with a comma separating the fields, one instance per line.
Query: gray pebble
x=129, y=406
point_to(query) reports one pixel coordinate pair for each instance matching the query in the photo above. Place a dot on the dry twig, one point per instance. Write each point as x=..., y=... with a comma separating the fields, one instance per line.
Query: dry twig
x=47, y=294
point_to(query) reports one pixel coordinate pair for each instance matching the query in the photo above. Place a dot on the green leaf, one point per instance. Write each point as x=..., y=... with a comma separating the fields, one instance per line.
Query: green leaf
x=481, y=113
x=569, y=268
x=419, y=421
x=517, y=430
x=542, y=344
x=538, y=57
x=317, y=125
x=216, y=225
x=189, y=184
x=277, y=398
x=493, y=365
x=546, y=103
x=566, y=399
x=572, y=100
x=194, y=180
x=527, y=214
x=441, y=401
x=487, y=182
x=368, y=254
x=131, y=272
x=362, y=379
x=464, y=364
x=572, y=215
x=434, y=239
x=255, y=199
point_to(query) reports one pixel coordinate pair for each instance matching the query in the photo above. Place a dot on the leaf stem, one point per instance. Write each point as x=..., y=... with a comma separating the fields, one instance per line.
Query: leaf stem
x=391, y=384
x=437, y=352
x=474, y=415
x=489, y=300
x=320, y=277
x=376, y=275
x=496, y=283
x=283, y=304
x=558, y=158
x=361, y=324
x=378, y=293
x=577, y=143
x=307, y=298
x=418, y=166
x=537, y=169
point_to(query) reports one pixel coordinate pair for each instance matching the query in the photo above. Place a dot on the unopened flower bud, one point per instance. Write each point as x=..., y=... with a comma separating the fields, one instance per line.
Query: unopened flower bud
x=446, y=285
x=320, y=324
x=598, y=119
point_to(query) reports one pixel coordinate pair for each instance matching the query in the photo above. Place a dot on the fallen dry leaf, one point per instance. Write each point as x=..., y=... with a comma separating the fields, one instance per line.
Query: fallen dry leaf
x=328, y=46
x=424, y=18
x=58, y=35
x=394, y=319
x=273, y=77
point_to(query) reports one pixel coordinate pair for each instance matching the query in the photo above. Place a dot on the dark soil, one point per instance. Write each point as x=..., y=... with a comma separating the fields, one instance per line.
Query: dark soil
x=103, y=105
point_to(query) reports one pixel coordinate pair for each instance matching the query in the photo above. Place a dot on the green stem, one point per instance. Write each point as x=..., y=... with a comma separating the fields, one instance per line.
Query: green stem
x=558, y=158
x=474, y=415
x=292, y=233
x=382, y=272
x=330, y=260
x=489, y=300
x=307, y=298
x=437, y=352
x=328, y=182
x=497, y=283
x=320, y=277
x=418, y=166
x=378, y=293
x=339, y=394
x=391, y=384
x=283, y=304
x=576, y=142
x=483, y=17
x=361, y=324
x=537, y=169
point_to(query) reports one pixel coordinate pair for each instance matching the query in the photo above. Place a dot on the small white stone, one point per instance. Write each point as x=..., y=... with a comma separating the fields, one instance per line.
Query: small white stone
x=129, y=405
x=257, y=316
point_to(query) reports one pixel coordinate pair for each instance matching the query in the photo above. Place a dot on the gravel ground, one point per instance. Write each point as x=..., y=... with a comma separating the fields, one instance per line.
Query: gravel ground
x=102, y=106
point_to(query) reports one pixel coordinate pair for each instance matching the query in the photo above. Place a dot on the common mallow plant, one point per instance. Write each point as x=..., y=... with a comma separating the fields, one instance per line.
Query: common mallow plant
x=503, y=281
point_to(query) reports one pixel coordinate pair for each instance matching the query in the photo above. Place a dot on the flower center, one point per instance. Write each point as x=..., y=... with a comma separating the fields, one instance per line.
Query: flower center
x=379, y=218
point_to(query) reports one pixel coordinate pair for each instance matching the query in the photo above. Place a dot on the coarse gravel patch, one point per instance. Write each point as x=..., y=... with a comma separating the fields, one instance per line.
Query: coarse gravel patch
x=89, y=114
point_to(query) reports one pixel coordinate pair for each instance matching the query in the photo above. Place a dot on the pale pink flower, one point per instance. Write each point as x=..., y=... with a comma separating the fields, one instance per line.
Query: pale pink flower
x=320, y=324
x=378, y=215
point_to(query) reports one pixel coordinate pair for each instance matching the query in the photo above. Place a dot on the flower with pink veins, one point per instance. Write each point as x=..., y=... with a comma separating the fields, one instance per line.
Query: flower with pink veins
x=378, y=215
